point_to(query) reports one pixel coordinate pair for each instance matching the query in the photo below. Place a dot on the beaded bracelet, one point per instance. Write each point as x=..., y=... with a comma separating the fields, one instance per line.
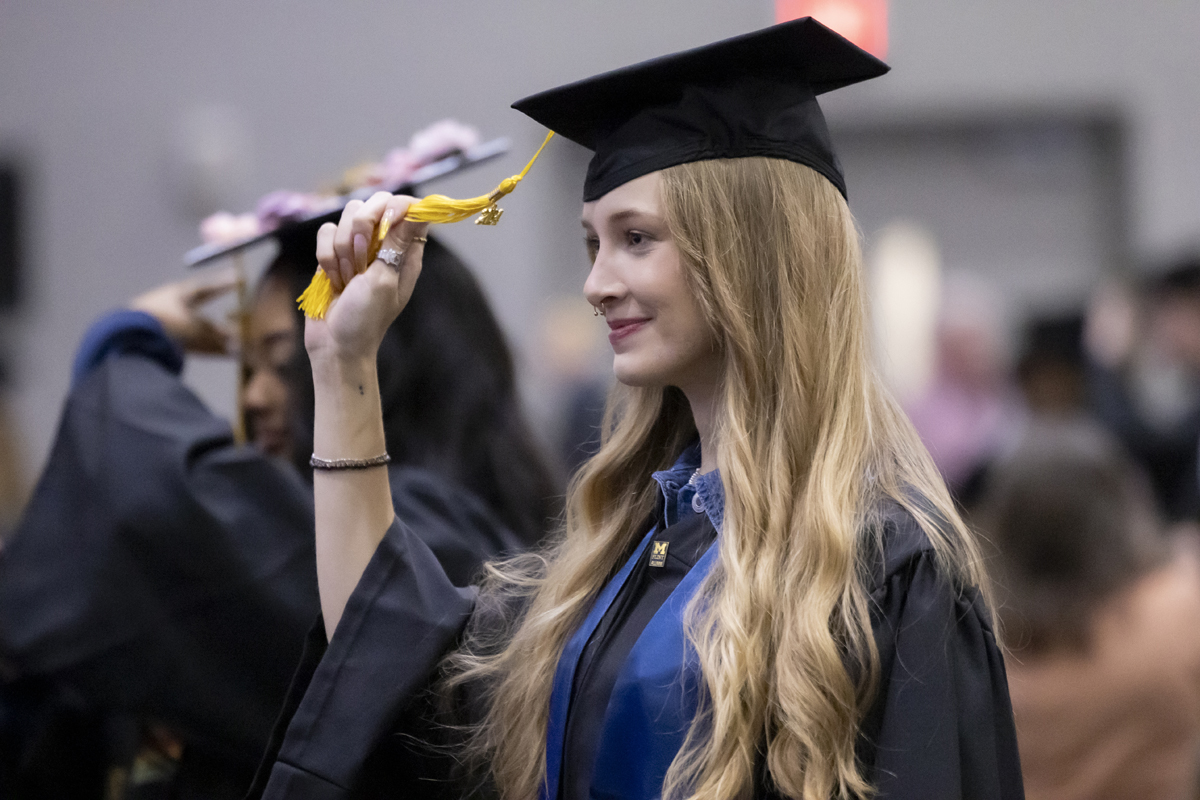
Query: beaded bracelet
x=348, y=463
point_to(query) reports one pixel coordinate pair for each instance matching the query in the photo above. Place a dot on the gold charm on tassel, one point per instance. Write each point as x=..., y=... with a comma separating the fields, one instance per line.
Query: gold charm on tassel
x=490, y=215
x=434, y=209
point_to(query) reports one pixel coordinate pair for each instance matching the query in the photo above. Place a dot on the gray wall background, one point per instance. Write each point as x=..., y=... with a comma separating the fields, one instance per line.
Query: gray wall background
x=94, y=94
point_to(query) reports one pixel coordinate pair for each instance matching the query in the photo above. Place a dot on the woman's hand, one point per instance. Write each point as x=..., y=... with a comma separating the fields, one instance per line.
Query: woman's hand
x=372, y=294
x=177, y=308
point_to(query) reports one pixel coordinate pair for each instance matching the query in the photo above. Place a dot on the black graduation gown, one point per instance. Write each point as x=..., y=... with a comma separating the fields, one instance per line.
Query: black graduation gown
x=163, y=571
x=940, y=727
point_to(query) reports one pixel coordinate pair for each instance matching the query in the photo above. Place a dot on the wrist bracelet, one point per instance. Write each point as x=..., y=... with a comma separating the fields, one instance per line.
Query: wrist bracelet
x=348, y=463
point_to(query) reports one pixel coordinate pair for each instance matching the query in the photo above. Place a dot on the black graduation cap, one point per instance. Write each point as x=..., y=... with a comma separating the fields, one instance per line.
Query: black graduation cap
x=752, y=95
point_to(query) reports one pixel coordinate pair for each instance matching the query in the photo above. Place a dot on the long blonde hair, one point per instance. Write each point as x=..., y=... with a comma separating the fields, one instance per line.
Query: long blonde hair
x=810, y=444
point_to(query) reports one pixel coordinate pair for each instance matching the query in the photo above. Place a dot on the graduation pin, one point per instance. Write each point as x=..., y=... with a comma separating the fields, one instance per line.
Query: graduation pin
x=658, y=553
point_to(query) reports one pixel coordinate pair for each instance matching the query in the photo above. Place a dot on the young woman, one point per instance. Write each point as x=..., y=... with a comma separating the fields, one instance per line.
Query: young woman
x=762, y=588
x=163, y=573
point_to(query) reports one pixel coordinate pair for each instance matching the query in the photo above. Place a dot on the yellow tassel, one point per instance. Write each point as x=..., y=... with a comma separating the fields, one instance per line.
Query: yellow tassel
x=435, y=209
x=315, y=300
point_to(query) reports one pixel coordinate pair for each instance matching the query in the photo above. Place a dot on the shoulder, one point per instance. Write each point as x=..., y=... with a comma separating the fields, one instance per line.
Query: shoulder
x=904, y=573
x=894, y=542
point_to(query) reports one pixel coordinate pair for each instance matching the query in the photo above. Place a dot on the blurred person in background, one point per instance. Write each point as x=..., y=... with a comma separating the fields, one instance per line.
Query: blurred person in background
x=971, y=410
x=1051, y=369
x=1102, y=614
x=1144, y=379
x=155, y=597
x=12, y=466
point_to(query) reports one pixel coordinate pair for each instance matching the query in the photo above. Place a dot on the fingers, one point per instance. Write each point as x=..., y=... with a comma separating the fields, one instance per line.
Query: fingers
x=326, y=259
x=210, y=337
x=344, y=249
x=343, y=242
x=400, y=236
x=408, y=238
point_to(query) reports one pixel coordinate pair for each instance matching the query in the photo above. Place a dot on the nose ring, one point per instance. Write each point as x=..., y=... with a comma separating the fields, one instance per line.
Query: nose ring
x=598, y=311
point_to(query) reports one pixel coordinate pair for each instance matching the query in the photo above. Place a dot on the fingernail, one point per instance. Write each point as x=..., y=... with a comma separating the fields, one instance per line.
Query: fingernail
x=360, y=246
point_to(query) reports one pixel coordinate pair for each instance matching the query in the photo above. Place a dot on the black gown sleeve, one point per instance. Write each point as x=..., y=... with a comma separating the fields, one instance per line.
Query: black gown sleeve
x=941, y=725
x=349, y=696
x=457, y=526
x=160, y=569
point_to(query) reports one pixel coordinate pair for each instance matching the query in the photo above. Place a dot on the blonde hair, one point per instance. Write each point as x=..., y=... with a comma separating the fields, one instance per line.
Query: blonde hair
x=810, y=445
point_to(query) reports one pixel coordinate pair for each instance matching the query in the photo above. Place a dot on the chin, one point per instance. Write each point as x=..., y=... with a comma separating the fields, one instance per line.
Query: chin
x=631, y=372
x=274, y=447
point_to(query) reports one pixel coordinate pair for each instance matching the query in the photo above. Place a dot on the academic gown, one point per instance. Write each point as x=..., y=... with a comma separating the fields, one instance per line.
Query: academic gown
x=163, y=571
x=940, y=726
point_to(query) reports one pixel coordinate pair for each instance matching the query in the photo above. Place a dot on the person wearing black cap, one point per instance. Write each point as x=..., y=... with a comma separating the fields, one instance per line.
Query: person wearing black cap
x=762, y=588
x=163, y=577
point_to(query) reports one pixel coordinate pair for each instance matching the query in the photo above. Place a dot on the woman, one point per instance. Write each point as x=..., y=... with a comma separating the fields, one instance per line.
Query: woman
x=762, y=588
x=164, y=573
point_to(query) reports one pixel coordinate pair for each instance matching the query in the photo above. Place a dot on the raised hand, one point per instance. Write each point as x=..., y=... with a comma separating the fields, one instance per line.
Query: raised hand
x=372, y=294
x=177, y=307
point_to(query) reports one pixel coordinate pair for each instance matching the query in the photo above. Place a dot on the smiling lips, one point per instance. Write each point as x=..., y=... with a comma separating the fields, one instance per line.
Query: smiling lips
x=623, y=328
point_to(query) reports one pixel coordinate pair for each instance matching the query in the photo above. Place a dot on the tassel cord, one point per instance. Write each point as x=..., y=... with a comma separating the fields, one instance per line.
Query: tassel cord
x=435, y=209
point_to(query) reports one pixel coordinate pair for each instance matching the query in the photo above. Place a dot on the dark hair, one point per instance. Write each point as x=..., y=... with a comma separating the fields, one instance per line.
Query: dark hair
x=448, y=386
x=1179, y=276
x=1074, y=523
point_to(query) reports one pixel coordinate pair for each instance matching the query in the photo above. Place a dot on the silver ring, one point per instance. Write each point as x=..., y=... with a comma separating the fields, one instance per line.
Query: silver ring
x=391, y=257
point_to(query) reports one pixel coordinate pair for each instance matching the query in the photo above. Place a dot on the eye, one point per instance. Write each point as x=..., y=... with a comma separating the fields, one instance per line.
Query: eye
x=638, y=240
x=592, y=244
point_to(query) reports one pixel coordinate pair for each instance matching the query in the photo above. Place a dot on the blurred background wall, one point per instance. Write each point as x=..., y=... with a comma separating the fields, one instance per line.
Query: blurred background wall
x=128, y=122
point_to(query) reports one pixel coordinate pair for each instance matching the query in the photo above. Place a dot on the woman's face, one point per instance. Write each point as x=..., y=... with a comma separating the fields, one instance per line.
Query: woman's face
x=658, y=333
x=272, y=345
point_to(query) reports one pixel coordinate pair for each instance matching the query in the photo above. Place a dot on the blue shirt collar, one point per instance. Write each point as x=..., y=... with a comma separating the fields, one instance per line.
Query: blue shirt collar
x=680, y=492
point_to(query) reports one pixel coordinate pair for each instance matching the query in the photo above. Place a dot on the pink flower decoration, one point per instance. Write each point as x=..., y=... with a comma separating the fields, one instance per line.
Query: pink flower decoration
x=441, y=139
x=426, y=146
x=395, y=169
x=283, y=206
x=223, y=227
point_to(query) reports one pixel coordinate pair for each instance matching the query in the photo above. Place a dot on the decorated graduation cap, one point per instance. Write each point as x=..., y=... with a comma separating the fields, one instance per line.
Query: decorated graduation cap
x=291, y=218
x=751, y=95
x=436, y=208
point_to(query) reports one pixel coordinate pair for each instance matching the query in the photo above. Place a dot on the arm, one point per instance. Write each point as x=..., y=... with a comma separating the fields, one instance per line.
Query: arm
x=354, y=507
x=158, y=567
x=160, y=325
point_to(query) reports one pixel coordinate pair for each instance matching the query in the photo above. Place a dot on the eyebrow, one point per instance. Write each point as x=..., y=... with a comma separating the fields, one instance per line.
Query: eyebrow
x=276, y=336
x=620, y=216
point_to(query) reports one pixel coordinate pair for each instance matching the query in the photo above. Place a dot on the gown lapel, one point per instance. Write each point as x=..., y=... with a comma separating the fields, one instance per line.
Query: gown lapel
x=564, y=676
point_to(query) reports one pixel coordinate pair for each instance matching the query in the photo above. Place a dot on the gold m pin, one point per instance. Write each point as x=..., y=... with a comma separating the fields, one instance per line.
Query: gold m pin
x=658, y=553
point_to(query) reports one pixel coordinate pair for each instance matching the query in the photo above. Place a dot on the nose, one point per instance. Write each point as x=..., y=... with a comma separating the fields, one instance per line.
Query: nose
x=263, y=392
x=603, y=286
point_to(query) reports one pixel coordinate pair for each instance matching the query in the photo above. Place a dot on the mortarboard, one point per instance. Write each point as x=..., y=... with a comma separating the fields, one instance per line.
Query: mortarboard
x=751, y=95
x=299, y=225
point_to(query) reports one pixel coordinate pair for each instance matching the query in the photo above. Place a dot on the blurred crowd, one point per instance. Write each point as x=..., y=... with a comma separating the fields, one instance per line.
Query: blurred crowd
x=1075, y=455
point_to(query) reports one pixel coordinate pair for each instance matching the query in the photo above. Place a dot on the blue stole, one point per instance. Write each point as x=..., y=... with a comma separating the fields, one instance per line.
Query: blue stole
x=653, y=700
